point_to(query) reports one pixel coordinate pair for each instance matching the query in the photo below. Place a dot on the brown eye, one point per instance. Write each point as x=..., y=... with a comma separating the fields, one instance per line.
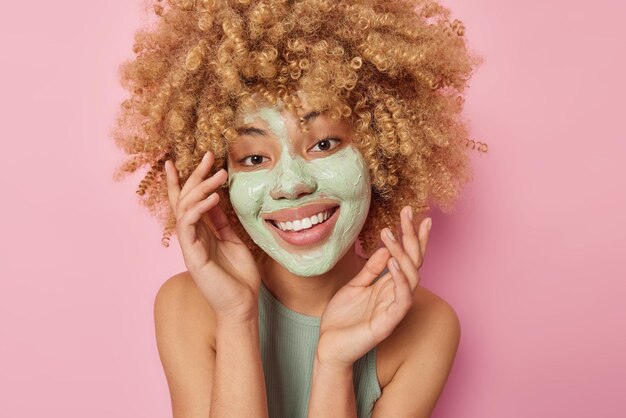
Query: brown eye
x=254, y=159
x=326, y=144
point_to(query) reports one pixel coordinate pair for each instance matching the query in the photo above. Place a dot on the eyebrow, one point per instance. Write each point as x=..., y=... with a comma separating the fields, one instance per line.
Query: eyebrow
x=311, y=115
x=260, y=132
x=251, y=131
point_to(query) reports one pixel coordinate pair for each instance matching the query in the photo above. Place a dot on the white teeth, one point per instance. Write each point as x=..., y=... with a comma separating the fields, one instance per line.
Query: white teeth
x=305, y=223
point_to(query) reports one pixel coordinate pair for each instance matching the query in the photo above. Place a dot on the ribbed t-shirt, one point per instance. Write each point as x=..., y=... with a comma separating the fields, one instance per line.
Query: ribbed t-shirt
x=288, y=343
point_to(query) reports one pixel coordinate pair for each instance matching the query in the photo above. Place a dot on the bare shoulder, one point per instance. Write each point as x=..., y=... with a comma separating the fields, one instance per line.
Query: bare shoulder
x=415, y=360
x=184, y=332
x=179, y=299
x=431, y=313
x=430, y=328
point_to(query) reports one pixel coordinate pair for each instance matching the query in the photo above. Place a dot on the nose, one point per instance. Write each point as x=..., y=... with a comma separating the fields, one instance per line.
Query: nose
x=293, y=182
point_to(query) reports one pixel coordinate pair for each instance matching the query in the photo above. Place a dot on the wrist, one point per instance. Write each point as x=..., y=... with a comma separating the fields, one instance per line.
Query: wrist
x=237, y=325
x=329, y=357
x=331, y=365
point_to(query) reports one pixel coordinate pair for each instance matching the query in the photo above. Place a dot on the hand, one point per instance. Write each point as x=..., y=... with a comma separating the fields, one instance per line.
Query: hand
x=361, y=315
x=219, y=262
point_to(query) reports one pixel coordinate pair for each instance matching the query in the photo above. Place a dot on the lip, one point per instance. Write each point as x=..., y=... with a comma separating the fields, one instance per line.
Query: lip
x=313, y=235
x=305, y=211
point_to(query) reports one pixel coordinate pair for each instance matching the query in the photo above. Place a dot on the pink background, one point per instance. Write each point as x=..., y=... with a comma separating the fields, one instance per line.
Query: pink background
x=532, y=260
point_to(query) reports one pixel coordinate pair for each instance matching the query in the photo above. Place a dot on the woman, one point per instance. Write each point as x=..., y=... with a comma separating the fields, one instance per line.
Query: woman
x=279, y=133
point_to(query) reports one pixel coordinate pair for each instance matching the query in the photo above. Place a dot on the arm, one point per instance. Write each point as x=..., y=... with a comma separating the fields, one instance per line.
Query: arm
x=433, y=335
x=240, y=384
x=332, y=391
x=362, y=314
x=185, y=330
x=416, y=386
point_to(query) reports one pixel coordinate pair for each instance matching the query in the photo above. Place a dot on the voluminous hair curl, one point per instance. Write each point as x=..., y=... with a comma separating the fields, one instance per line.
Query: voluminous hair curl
x=397, y=70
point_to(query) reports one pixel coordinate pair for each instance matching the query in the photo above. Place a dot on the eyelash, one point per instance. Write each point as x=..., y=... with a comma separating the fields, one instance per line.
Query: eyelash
x=327, y=138
x=248, y=156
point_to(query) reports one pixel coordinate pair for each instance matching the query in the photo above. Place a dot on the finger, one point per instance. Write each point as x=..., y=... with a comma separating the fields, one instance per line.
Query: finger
x=399, y=232
x=403, y=295
x=202, y=190
x=372, y=268
x=218, y=222
x=424, y=234
x=199, y=173
x=173, y=185
x=186, y=224
x=409, y=239
x=397, y=252
x=384, y=323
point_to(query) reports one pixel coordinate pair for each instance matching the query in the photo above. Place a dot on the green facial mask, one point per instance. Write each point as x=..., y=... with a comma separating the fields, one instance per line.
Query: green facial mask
x=342, y=177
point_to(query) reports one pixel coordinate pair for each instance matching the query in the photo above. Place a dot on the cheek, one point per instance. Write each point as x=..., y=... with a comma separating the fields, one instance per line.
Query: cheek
x=247, y=191
x=343, y=174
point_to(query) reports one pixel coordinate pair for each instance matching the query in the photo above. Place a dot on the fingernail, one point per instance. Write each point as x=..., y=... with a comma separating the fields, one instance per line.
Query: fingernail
x=410, y=213
x=390, y=235
x=430, y=223
x=206, y=155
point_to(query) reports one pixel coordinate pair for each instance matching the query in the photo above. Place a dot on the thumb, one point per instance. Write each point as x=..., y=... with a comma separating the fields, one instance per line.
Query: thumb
x=372, y=268
x=218, y=222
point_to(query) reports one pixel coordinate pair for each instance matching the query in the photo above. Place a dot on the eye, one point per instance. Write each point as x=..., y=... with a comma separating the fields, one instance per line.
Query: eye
x=254, y=158
x=326, y=144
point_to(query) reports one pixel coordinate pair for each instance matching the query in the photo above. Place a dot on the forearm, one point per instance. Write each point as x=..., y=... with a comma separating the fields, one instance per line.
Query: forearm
x=238, y=382
x=332, y=392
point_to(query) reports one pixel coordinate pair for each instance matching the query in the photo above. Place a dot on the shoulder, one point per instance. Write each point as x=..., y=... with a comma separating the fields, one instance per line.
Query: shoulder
x=420, y=352
x=184, y=333
x=436, y=331
x=432, y=316
x=179, y=306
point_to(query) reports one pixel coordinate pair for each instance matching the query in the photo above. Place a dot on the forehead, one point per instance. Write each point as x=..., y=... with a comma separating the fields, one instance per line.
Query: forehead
x=256, y=102
x=256, y=115
x=252, y=111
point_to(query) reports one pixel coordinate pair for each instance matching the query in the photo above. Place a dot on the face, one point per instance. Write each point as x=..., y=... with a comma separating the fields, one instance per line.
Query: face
x=303, y=197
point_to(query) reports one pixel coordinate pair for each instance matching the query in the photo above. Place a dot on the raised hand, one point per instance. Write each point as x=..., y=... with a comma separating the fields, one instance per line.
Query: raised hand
x=219, y=262
x=361, y=314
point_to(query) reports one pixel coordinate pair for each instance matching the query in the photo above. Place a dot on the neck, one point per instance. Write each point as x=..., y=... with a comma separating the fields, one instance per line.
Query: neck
x=309, y=295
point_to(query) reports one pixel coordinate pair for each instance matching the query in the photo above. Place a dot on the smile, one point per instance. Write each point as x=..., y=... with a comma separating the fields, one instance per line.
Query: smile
x=306, y=231
x=305, y=223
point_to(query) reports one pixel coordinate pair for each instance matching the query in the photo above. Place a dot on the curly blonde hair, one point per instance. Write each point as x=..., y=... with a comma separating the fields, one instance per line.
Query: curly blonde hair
x=395, y=69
